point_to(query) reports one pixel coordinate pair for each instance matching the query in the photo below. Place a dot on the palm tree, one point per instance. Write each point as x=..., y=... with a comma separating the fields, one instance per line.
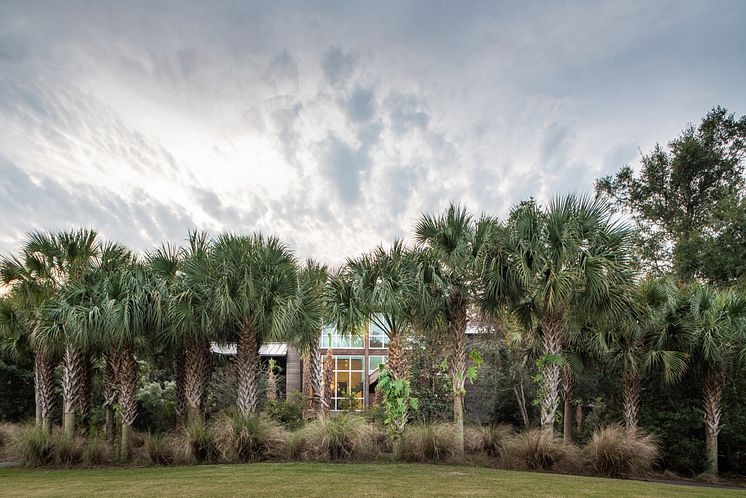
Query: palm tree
x=32, y=279
x=386, y=287
x=718, y=326
x=253, y=285
x=189, y=320
x=647, y=338
x=548, y=265
x=449, y=269
x=312, y=281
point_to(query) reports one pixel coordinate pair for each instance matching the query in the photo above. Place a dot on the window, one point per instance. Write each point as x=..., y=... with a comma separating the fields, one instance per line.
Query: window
x=347, y=386
x=374, y=361
x=377, y=338
x=339, y=341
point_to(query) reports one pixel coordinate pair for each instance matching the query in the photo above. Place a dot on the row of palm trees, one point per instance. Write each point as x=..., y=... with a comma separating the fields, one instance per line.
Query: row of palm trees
x=563, y=274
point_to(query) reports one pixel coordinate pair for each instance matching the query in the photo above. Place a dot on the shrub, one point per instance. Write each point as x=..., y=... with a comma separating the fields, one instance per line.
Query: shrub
x=615, y=452
x=97, y=452
x=194, y=444
x=158, y=449
x=33, y=448
x=534, y=449
x=487, y=439
x=8, y=434
x=342, y=437
x=248, y=438
x=155, y=404
x=288, y=412
x=429, y=443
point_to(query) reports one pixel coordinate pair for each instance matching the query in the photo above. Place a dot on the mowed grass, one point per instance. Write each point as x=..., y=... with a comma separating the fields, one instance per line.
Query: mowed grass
x=309, y=479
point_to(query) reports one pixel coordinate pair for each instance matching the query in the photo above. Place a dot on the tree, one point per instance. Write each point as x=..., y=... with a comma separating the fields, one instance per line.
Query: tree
x=648, y=338
x=449, y=269
x=33, y=278
x=550, y=265
x=686, y=197
x=718, y=326
x=188, y=326
x=253, y=286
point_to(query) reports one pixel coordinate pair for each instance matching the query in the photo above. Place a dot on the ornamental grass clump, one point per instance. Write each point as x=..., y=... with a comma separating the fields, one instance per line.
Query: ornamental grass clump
x=33, y=448
x=488, y=439
x=8, y=434
x=335, y=438
x=160, y=449
x=96, y=453
x=248, y=438
x=431, y=443
x=617, y=452
x=194, y=444
x=536, y=449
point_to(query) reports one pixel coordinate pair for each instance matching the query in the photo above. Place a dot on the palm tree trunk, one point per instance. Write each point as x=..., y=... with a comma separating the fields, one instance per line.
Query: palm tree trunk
x=568, y=386
x=180, y=405
x=248, y=370
x=198, y=367
x=457, y=331
x=37, y=399
x=110, y=393
x=307, y=385
x=86, y=393
x=327, y=381
x=127, y=381
x=711, y=396
x=44, y=377
x=73, y=378
x=553, y=327
x=397, y=360
x=631, y=403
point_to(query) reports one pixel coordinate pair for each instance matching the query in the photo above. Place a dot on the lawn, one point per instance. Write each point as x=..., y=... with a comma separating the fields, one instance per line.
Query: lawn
x=307, y=479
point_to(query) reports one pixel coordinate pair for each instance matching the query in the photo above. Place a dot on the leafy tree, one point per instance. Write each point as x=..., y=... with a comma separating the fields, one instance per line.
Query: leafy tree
x=688, y=200
x=550, y=265
x=449, y=267
x=398, y=402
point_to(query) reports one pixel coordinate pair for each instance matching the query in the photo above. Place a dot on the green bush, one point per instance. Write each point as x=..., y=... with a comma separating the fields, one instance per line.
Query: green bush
x=616, y=452
x=155, y=402
x=487, y=439
x=433, y=443
x=535, y=449
x=248, y=438
x=288, y=412
x=341, y=437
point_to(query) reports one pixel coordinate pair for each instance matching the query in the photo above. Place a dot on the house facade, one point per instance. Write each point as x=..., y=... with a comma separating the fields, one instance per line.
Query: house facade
x=356, y=359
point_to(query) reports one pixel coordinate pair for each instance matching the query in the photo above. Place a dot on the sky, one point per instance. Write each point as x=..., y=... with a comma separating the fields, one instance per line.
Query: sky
x=334, y=125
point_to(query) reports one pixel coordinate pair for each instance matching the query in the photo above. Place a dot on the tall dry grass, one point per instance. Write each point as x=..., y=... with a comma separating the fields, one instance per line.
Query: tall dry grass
x=616, y=452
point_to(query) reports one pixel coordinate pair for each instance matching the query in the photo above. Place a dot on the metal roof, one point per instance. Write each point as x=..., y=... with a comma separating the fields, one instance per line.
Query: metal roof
x=268, y=349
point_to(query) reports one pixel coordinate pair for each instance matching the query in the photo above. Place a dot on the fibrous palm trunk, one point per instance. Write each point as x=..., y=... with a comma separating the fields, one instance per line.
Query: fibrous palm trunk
x=568, y=386
x=711, y=396
x=198, y=368
x=248, y=370
x=73, y=378
x=397, y=359
x=631, y=402
x=85, y=400
x=180, y=405
x=457, y=332
x=44, y=377
x=127, y=382
x=553, y=327
x=307, y=385
x=327, y=384
x=316, y=380
x=111, y=392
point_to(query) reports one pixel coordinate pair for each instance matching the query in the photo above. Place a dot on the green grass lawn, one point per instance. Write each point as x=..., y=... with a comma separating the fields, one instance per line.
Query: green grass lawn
x=308, y=479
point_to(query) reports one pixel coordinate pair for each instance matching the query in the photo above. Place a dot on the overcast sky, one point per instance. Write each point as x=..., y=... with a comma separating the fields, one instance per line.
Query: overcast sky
x=333, y=125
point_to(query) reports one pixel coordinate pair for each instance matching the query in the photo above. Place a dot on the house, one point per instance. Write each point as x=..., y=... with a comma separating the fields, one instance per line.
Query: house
x=356, y=360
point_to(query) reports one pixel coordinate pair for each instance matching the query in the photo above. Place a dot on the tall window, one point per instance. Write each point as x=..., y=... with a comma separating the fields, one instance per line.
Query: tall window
x=338, y=340
x=347, y=387
x=377, y=338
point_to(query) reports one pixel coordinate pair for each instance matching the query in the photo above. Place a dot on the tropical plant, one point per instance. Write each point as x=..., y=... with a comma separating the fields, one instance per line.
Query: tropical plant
x=449, y=267
x=548, y=265
x=254, y=295
x=398, y=402
x=718, y=326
